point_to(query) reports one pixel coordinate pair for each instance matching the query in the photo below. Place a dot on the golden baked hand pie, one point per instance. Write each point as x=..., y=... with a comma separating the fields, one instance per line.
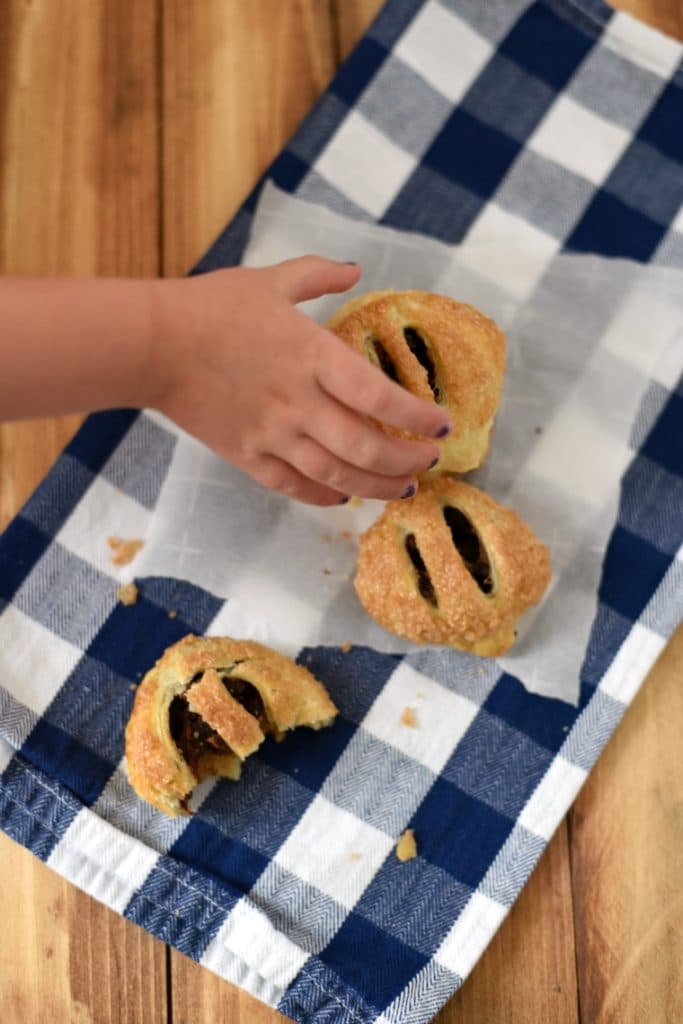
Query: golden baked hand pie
x=441, y=350
x=206, y=705
x=451, y=566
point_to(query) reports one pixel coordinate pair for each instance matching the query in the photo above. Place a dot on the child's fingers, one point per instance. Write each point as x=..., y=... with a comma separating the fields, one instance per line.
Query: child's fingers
x=355, y=382
x=357, y=440
x=309, y=277
x=278, y=475
x=318, y=463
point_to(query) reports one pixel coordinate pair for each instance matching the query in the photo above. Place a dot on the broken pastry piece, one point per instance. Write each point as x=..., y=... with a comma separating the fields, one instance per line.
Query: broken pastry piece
x=451, y=566
x=441, y=350
x=208, y=703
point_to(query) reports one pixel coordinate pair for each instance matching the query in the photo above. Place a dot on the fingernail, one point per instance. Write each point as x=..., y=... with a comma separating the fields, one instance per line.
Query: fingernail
x=343, y=500
x=433, y=462
x=351, y=263
x=409, y=491
x=442, y=431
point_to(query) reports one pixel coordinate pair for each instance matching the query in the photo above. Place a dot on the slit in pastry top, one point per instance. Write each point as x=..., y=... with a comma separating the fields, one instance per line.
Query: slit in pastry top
x=467, y=543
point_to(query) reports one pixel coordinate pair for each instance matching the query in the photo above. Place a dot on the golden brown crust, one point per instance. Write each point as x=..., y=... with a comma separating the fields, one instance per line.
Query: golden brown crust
x=193, y=669
x=459, y=613
x=467, y=355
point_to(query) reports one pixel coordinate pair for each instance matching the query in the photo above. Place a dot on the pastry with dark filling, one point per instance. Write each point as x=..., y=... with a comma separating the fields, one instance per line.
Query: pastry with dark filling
x=451, y=566
x=208, y=703
x=441, y=350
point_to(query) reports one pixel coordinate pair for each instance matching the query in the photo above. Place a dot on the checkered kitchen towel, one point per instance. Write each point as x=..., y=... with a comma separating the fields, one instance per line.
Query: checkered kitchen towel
x=556, y=124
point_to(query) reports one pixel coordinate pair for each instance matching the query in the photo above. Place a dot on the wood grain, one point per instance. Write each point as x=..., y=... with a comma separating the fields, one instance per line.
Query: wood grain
x=627, y=857
x=129, y=134
x=78, y=195
x=237, y=80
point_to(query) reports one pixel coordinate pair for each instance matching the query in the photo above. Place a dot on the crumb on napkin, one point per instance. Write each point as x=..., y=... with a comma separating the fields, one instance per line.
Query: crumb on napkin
x=406, y=847
x=124, y=551
x=409, y=718
x=346, y=646
x=355, y=502
x=172, y=614
x=128, y=594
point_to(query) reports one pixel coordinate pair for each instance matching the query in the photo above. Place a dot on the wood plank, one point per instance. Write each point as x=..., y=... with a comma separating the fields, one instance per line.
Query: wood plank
x=78, y=195
x=627, y=856
x=238, y=79
x=666, y=15
x=528, y=973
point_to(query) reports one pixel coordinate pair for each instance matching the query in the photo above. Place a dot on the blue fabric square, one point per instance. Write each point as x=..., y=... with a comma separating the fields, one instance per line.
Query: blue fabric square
x=64, y=758
x=288, y=171
x=93, y=707
x=648, y=181
x=414, y=902
x=608, y=632
x=193, y=607
x=319, y=994
x=132, y=639
x=23, y=546
x=139, y=464
x=231, y=861
x=497, y=764
x=371, y=961
x=471, y=153
x=610, y=227
x=632, y=571
x=99, y=436
x=663, y=127
x=447, y=217
x=543, y=719
x=34, y=809
x=392, y=21
x=58, y=494
x=308, y=754
x=506, y=97
x=260, y=811
x=652, y=503
x=664, y=444
x=181, y=906
x=354, y=680
x=458, y=833
x=355, y=74
x=546, y=45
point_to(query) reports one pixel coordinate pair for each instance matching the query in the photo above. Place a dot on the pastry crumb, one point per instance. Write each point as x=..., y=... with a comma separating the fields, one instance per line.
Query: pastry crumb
x=346, y=534
x=132, y=686
x=409, y=718
x=354, y=855
x=419, y=694
x=124, y=551
x=406, y=847
x=172, y=614
x=346, y=646
x=326, y=537
x=128, y=594
x=355, y=502
x=327, y=572
x=565, y=728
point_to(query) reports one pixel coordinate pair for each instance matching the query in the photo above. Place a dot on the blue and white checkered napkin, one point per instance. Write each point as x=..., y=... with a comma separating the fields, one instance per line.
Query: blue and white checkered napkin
x=546, y=125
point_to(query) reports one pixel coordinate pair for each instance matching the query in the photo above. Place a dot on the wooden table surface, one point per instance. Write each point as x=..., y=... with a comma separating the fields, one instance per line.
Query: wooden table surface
x=130, y=131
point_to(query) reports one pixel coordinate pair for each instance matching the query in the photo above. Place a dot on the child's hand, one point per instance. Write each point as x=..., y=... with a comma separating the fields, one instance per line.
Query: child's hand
x=281, y=397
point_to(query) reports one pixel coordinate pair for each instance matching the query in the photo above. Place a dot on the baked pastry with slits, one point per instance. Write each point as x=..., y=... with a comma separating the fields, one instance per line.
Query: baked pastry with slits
x=451, y=566
x=209, y=703
x=441, y=350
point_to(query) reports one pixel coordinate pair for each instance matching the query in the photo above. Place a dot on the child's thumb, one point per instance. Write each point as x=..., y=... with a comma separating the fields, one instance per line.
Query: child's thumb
x=308, y=277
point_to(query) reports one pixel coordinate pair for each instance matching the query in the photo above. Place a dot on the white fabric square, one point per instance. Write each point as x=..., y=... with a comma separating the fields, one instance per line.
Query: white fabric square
x=644, y=45
x=548, y=803
x=487, y=250
x=643, y=330
x=28, y=672
x=441, y=717
x=364, y=164
x=444, y=50
x=470, y=934
x=104, y=861
x=6, y=753
x=580, y=140
x=317, y=851
x=633, y=661
x=104, y=511
x=249, y=935
x=578, y=457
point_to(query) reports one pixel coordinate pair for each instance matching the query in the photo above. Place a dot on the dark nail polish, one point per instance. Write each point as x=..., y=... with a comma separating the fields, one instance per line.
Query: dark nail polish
x=443, y=431
x=344, y=499
x=351, y=263
x=409, y=491
x=433, y=463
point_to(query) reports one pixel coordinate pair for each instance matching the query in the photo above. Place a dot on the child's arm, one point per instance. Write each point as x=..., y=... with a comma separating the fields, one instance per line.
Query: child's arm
x=227, y=356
